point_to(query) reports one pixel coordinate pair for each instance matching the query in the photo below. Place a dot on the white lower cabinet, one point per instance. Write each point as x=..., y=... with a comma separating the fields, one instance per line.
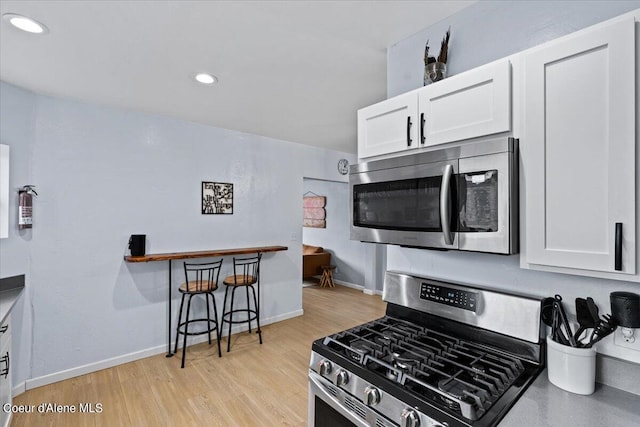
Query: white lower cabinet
x=5, y=371
x=578, y=150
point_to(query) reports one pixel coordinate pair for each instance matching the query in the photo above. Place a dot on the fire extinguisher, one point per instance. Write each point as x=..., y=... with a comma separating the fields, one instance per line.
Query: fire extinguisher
x=25, y=207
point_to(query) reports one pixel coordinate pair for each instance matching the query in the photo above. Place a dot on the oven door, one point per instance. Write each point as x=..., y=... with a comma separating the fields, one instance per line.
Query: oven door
x=331, y=406
x=325, y=405
x=411, y=205
x=487, y=203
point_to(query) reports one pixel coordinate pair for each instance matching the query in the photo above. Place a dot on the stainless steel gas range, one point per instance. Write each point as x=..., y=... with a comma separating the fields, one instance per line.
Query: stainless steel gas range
x=445, y=354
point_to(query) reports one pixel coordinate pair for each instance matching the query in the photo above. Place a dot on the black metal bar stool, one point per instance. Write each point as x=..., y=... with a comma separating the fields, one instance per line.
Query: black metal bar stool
x=199, y=279
x=246, y=273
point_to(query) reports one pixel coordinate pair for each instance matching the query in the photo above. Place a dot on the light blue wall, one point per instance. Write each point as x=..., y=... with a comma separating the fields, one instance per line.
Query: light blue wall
x=17, y=115
x=349, y=256
x=103, y=174
x=486, y=31
x=490, y=30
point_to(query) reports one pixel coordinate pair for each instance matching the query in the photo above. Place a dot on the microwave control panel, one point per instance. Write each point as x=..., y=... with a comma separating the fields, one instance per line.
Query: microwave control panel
x=465, y=300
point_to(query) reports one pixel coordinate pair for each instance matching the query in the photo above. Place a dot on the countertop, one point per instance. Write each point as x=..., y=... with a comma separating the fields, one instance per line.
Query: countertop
x=10, y=290
x=544, y=404
x=203, y=254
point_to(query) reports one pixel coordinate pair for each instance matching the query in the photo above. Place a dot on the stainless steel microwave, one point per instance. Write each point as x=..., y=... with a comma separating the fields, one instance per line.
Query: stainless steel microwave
x=462, y=197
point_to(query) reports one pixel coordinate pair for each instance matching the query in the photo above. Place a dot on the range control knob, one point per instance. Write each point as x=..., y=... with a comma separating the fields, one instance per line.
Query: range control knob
x=342, y=377
x=324, y=367
x=409, y=418
x=372, y=396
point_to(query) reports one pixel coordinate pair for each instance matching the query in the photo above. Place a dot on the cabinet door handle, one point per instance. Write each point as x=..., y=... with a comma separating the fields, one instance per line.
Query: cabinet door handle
x=618, y=249
x=4, y=329
x=5, y=359
x=409, y=131
x=422, y=129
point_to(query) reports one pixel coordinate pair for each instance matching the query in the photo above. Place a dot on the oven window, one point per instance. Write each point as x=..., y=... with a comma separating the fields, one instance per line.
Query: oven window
x=478, y=201
x=326, y=416
x=410, y=204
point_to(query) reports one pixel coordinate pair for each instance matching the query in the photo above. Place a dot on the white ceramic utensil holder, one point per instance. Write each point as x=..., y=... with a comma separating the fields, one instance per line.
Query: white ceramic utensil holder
x=570, y=368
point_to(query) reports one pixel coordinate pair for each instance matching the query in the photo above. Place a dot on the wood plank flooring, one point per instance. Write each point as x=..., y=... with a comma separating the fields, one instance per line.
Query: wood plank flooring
x=253, y=385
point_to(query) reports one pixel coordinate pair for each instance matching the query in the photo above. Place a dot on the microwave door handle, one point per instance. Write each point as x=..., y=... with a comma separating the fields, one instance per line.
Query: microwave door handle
x=445, y=200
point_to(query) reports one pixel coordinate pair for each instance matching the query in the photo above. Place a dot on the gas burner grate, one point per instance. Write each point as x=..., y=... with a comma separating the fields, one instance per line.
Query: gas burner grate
x=457, y=375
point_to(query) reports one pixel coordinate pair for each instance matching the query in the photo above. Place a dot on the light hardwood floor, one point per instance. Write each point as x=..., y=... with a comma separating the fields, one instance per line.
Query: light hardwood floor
x=253, y=385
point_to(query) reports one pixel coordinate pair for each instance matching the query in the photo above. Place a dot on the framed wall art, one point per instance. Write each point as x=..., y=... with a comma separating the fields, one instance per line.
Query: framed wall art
x=314, y=211
x=217, y=198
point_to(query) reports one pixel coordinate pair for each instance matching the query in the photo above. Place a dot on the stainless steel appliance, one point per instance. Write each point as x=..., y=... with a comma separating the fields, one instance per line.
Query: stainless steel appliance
x=461, y=197
x=445, y=354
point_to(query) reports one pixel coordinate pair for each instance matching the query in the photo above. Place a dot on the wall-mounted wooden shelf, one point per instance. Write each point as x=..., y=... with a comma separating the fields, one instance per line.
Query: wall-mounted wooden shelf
x=204, y=254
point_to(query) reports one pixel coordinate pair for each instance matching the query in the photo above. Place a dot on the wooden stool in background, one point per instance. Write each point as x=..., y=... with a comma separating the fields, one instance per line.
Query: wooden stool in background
x=327, y=276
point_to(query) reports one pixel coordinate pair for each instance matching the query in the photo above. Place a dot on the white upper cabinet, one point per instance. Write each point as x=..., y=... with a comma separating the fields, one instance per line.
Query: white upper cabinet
x=388, y=126
x=468, y=105
x=578, y=150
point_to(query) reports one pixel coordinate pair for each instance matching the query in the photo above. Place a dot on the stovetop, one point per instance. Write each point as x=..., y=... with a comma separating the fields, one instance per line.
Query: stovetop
x=455, y=376
x=452, y=372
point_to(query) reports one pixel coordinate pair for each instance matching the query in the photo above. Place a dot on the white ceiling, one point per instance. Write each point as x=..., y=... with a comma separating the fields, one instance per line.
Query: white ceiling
x=292, y=70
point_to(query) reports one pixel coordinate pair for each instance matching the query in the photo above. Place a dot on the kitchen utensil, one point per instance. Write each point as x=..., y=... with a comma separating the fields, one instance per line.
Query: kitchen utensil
x=563, y=333
x=605, y=326
x=556, y=333
x=547, y=311
x=593, y=309
x=584, y=318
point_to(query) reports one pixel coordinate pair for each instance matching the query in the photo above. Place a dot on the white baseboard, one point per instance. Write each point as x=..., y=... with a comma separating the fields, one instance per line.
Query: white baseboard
x=348, y=285
x=19, y=389
x=130, y=357
x=359, y=287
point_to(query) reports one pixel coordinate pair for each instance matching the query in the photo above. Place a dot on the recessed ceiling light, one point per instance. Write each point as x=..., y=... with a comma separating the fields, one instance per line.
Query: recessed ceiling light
x=205, y=78
x=25, y=23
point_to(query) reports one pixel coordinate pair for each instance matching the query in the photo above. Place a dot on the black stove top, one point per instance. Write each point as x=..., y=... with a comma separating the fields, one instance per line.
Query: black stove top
x=456, y=376
x=452, y=372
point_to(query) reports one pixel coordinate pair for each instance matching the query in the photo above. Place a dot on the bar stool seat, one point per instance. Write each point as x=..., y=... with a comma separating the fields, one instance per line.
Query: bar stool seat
x=239, y=280
x=246, y=274
x=200, y=279
x=196, y=286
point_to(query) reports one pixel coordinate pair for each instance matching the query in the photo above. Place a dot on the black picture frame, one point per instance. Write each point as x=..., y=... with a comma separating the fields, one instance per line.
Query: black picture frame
x=217, y=198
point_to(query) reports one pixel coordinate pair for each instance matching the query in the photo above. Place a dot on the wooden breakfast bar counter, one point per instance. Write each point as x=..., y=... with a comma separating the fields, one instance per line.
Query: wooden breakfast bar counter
x=197, y=254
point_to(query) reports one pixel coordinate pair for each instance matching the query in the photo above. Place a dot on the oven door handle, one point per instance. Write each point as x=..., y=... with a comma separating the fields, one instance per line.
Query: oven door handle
x=318, y=388
x=445, y=204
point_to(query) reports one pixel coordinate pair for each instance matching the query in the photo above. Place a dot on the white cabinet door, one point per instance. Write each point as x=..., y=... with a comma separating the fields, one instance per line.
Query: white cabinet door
x=578, y=150
x=468, y=105
x=5, y=371
x=388, y=126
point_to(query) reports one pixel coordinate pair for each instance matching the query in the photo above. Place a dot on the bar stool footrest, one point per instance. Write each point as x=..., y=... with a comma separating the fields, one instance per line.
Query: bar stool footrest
x=226, y=316
x=193, y=321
